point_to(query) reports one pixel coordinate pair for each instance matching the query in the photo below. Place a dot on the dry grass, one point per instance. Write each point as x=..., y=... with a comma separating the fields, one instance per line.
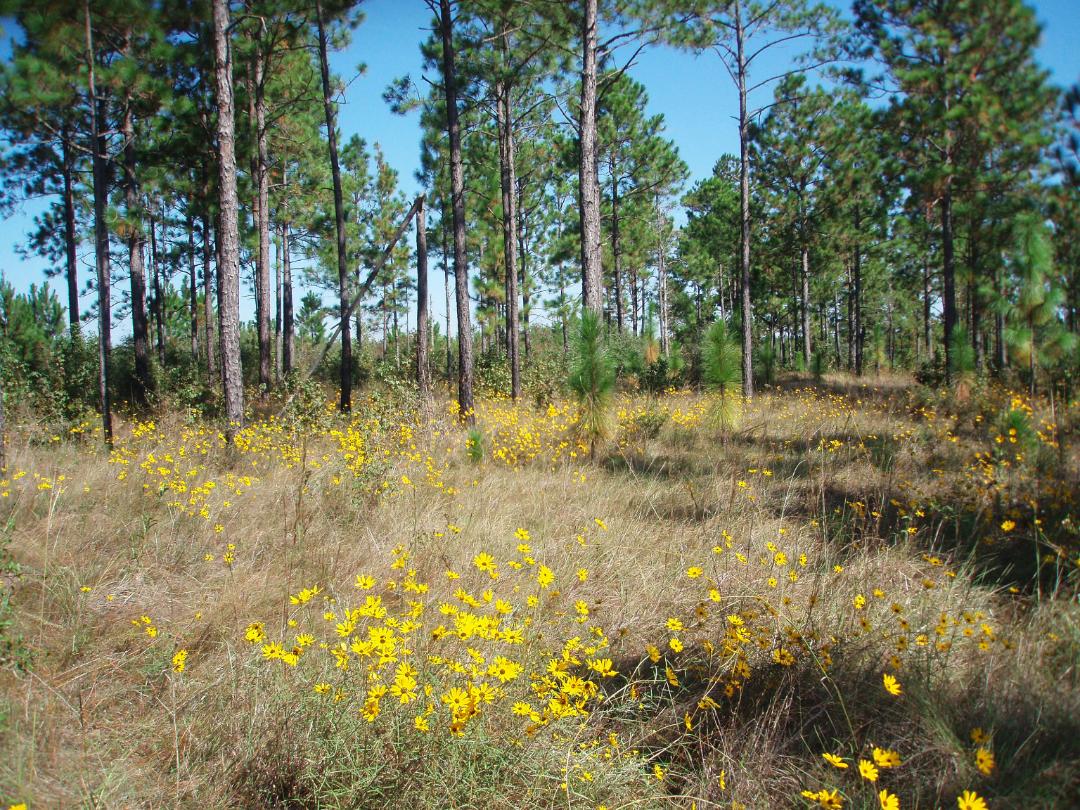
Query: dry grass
x=839, y=474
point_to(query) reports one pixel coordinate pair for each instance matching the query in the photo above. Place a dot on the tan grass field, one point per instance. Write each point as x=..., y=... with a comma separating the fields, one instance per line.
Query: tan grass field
x=691, y=619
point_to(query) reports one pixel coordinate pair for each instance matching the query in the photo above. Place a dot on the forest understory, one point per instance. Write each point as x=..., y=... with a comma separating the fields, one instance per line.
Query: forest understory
x=860, y=593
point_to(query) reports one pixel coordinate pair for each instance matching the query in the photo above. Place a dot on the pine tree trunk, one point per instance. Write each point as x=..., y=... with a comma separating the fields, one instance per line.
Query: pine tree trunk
x=423, y=368
x=806, y=305
x=457, y=184
x=339, y=218
x=208, y=289
x=523, y=255
x=70, y=237
x=446, y=288
x=287, y=320
x=948, y=278
x=616, y=250
x=662, y=293
x=592, y=285
x=3, y=427
x=96, y=109
x=857, y=324
x=508, y=183
x=928, y=324
x=135, y=245
x=227, y=236
x=262, y=216
x=1000, y=358
x=850, y=321
x=744, y=218
x=158, y=309
x=277, y=313
x=193, y=290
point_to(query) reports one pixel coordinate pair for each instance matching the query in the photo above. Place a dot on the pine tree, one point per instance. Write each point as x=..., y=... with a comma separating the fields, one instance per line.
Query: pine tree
x=592, y=380
x=722, y=372
x=1036, y=334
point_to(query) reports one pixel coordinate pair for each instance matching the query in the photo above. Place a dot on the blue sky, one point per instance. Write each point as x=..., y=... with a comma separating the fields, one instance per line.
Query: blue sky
x=693, y=94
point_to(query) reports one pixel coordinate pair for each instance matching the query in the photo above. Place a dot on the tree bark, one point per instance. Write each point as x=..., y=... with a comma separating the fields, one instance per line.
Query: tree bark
x=158, y=309
x=928, y=324
x=948, y=278
x=3, y=428
x=457, y=185
x=193, y=290
x=1000, y=360
x=208, y=289
x=446, y=286
x=661, y=287
x=339, y=217
x=277, y=313
x=616, y=249
x=262, y=216
x=806, y=305
x=524, y=275
x=70, y=237
x=423, y=367
x=135, y=247
x=508, y=183
x=592, y=285
x=101, y=234
x=228, y=237
x=744, y=218
x=287, y=326
x=857, y=323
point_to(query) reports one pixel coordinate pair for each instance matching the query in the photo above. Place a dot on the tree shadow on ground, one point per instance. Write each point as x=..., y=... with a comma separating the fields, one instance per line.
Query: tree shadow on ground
x=793, y=714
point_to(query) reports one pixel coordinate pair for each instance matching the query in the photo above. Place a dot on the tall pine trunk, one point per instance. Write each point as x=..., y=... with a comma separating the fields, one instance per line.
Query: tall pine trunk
x=96, y=108
x=158, y=309
x=457, y=187
x=508, y=183
x=339, y=217
x=70, y=237
x=287, y=329
x=423, y=367
x=208, y=289
x=446, y=287
x=928, y=324
x=193, y=290
x=228, y=237
x=744, y=217
x=592, y=285
x=948, y=277
x=262, y=217
x=806, y=305
x=616, y=249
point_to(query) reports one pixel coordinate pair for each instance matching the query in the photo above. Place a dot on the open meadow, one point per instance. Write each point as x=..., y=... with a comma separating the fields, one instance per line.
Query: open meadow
x=864, y=595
